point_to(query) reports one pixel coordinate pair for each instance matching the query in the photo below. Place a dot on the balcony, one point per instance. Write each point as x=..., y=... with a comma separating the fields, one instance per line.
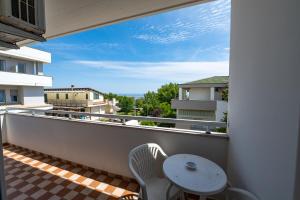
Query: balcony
x=30, y=174
x=75, y=103
x=72, y=158
x=21, y=79
x=194, y=105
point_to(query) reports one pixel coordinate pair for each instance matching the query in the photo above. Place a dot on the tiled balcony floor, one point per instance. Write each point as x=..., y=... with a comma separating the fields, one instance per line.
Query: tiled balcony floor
x=32, y=175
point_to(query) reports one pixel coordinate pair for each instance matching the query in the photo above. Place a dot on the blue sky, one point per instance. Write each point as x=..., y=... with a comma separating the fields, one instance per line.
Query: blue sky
x=142, y=54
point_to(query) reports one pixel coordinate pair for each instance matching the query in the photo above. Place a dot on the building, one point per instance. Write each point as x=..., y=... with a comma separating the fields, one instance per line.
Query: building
x=22, y=80
x=80, y=100
x=201, y=100
x=260, y=153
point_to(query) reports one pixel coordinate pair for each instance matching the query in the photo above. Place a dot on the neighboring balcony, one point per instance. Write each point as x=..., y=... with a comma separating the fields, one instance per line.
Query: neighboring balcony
x=22, y=79
x=75, y=103
x=194, y=105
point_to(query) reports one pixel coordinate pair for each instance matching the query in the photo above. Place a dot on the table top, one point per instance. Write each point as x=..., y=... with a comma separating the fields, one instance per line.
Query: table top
x=207, y=179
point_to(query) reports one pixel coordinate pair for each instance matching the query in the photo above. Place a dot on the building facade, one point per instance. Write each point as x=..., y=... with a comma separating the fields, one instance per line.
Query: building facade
x=79, y=99
x=22, y=80
x=201, y=100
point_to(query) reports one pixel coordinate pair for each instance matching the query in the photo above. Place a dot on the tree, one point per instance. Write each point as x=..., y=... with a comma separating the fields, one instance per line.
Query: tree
x=167, y=92
x=110, y=96
x=167, y=111
x=151, y=103
x=139, y=102
x=126, y=104
x=158, y=104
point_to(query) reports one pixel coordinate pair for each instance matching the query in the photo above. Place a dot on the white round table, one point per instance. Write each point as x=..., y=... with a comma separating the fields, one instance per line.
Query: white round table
x=207, y=179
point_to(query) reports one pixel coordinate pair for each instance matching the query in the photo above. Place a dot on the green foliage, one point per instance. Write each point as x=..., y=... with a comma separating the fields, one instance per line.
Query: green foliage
x=224, y=119
x=167, y=92
x=150, y=104
x=139, y=102
x=126, y=104
x=148, y=123
x=166, y=110
x=110, y=96
x=158, y=104
x=225, y=94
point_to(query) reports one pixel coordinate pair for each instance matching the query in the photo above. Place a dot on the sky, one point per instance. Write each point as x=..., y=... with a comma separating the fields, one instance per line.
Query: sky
x=142, y=54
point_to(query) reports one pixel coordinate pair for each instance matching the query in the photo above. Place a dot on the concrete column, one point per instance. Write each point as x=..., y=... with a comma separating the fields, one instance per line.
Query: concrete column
x=264, y=97
x=212, y=93
x=180, y=93
x=7, y=95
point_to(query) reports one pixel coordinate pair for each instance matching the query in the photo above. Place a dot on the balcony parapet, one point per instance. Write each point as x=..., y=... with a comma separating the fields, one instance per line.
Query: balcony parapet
x=194, y=105
x=12, y=78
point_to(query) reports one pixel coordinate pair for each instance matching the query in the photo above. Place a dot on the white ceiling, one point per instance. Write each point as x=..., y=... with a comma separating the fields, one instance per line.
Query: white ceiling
x=68, y=16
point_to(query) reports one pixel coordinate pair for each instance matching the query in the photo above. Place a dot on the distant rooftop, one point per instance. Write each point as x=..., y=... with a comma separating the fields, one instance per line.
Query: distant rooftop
x=71, y=89
x=211, y=80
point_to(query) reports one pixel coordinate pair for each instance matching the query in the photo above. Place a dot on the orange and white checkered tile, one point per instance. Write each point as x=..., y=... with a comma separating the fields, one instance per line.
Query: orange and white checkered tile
x=32, y=175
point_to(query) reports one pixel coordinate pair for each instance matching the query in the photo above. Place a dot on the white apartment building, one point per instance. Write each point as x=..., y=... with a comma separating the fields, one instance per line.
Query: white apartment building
x=201, y=100
x=22, y=80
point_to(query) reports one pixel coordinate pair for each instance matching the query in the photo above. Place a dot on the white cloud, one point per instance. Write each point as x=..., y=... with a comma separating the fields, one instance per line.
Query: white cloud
x=167, y=71
x=188, y=23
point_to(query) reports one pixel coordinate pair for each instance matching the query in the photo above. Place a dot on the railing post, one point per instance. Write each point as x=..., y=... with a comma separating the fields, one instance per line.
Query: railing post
x=207, y=130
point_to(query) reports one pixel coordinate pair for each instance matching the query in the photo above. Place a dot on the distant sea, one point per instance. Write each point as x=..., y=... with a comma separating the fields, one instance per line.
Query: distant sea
x=136, y=96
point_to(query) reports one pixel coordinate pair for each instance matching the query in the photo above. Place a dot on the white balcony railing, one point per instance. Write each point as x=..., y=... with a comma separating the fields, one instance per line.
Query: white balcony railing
x=103, y=145
x=208, y=126
x=11, y=78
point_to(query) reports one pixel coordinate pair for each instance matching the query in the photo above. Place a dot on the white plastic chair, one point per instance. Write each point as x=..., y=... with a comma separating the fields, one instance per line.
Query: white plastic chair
x=239, y=194
x=130, y=197
x=145, y=163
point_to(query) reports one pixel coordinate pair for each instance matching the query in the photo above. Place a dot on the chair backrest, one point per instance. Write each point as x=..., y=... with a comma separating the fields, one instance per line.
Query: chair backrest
x=145, y=161
x=239, y=194
x=130, y=197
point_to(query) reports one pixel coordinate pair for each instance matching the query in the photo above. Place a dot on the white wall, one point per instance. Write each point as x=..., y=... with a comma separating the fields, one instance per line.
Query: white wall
x=105, y=146
x=199, y=94
x=222, y=106
x=297, y=177
x=32, y=95
x=264, y=121
x=8, y=78
x=27, y=53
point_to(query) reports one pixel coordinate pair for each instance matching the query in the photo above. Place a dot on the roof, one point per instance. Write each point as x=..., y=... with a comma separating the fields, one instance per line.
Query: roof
x=71, y=89
x=210, y=80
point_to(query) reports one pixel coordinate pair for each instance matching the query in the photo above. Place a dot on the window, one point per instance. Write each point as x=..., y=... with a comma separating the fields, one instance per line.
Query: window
x=46, y=98
x=11, y=67
x=31, y=12
x=14, y=96
x=96, y=95
x=86, y=96
x=21, y=67
x=2, y=96
x=24, y=9
x=2, y=65
x=67, y=96
x=57, y=96
x=15, y=8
